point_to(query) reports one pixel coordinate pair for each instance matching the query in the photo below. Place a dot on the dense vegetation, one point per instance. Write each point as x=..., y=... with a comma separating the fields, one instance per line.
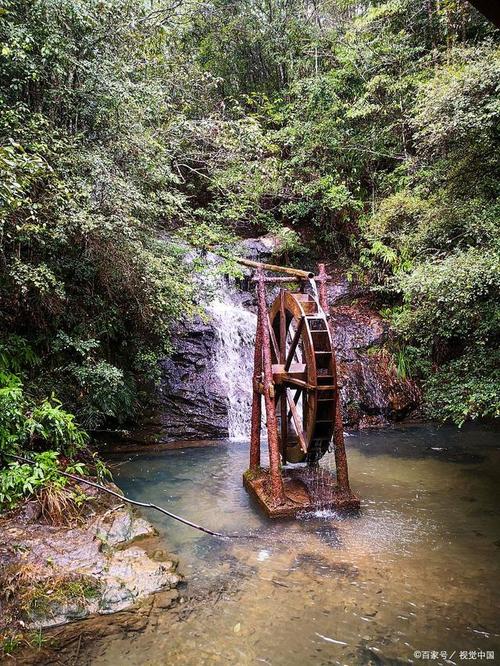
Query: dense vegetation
x=368, y=131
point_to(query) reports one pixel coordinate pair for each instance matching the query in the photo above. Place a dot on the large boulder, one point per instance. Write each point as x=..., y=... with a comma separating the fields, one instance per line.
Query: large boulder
x=100, y=564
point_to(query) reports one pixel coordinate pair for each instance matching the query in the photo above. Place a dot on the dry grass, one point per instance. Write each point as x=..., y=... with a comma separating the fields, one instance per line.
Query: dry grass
x=29, y=590
x=58, y=505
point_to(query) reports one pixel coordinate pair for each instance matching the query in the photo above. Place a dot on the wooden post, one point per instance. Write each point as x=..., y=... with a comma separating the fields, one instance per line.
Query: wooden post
x=256, y=400
x=338, y=429
x=277, y=491
x=283, y=395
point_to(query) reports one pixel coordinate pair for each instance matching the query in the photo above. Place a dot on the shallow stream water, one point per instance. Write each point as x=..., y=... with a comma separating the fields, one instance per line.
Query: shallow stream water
x=413, y=579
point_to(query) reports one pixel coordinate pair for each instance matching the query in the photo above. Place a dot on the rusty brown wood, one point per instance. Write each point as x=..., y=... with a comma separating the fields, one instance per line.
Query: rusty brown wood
x=294, y=309
x=296, y=371
x=295, y=399
x=273, y=279
x=284, y=390
x=256, y=400
x=277, y=491
x=274, y=342
x=282, y=357
x=338, y=429
x=296, y=382
x=294, y=344
x=298, y=424
x=321, y=278
x=278, y=280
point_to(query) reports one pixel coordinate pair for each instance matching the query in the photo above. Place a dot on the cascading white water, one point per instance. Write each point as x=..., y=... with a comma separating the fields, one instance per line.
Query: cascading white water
x=235, y=326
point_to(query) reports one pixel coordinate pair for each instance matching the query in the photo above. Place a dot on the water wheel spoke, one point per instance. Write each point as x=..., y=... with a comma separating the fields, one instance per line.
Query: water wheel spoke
x=296, y=421
x=282, y=357
x=296, y=373
x=274, y=342
x=295, y=342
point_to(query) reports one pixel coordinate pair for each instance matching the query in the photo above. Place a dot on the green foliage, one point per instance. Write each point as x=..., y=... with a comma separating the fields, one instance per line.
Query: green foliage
x=452, y=298
x=27, y=423
x=103, y=392
x=13, y=420
x=51, y=424
x=465, y=388
x=16, y=355
x=129, y=132
x=90, y=147
x=20, y=480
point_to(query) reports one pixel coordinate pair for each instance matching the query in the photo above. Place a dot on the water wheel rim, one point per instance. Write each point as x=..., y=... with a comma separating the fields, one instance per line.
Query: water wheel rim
x=316, y=435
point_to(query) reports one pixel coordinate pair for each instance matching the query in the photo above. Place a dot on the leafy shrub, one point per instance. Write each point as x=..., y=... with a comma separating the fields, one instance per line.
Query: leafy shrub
x=103, y=393
x=453, y=298
x=466, y=388
x=26, y=423
x=13, y=421
x=19, y=480
x=55, y=427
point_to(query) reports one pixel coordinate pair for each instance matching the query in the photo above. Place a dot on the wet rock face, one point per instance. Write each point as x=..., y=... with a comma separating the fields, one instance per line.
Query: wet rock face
x=372, y=393
x=193, y=404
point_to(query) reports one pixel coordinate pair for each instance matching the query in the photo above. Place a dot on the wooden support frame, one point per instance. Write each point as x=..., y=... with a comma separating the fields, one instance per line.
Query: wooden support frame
x=279, y=493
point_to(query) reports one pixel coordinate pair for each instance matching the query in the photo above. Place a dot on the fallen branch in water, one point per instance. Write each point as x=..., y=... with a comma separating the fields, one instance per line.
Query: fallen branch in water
x=145, y=505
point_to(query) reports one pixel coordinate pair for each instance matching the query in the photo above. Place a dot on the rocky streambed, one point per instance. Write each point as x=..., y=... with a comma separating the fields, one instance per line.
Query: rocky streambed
x=106, y=569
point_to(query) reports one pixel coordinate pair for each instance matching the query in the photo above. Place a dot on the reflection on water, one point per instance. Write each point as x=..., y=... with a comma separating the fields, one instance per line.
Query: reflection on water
x=417, y=570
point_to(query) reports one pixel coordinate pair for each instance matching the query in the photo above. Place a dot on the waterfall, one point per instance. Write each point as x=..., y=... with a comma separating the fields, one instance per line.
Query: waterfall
x=235, y=328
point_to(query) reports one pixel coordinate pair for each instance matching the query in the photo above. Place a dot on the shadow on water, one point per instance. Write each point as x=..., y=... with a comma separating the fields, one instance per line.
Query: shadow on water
x=415, y=571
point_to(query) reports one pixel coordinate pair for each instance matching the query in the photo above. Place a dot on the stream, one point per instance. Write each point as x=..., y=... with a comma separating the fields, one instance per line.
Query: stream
x=413, y=578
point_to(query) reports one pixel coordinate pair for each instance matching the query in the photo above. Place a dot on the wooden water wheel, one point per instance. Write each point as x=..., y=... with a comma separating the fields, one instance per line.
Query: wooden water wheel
x=295, y=380
x=304, y=375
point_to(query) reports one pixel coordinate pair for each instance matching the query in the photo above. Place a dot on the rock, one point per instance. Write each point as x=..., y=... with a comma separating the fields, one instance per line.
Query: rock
x=193, y=403
x=159, y=555
x=260, y=249
x=166, y=599
x=131, y=575
x=30, y=511
x=372, y=393
x=356, y=328
x=124, y=529
x=85, y=577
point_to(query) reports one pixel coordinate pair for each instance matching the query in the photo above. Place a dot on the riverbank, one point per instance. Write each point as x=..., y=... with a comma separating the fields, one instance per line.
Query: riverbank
x=105, y=569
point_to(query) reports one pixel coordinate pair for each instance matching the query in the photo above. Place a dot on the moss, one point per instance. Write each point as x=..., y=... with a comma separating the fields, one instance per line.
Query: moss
x=252, y=474
x=42, y=597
